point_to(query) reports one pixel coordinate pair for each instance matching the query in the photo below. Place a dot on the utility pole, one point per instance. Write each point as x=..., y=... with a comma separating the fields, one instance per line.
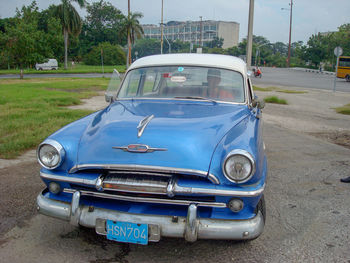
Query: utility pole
x=161, y=32
x=290, y=32
x=250, y=33
x=128, y=60
x=201, y=30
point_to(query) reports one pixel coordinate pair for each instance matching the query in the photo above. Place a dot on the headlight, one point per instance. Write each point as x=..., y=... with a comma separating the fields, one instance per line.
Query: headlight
x=50, y=154
x=239, y=166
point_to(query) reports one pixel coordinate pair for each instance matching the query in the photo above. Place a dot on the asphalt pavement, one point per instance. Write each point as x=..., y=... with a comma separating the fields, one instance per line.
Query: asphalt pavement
x=307, y=216
x=283, y=77
x=286, y=77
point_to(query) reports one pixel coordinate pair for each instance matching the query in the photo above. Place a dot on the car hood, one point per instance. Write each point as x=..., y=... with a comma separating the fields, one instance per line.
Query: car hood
x=188, y=130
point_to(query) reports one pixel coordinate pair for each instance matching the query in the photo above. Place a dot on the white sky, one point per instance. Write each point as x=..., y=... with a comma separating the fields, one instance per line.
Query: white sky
x=309, y=16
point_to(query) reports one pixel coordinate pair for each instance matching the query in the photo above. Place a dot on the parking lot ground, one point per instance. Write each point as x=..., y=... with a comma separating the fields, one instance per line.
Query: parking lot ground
x=308, y=207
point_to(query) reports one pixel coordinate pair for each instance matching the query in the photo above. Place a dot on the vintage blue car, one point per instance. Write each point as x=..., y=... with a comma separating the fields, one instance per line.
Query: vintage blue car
x=178, y=152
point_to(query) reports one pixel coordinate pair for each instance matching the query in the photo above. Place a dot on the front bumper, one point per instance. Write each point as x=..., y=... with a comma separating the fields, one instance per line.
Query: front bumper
x=191, y=227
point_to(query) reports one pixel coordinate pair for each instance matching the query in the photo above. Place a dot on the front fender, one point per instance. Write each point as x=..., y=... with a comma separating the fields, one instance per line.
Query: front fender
x=69, y=137
x=246, y=135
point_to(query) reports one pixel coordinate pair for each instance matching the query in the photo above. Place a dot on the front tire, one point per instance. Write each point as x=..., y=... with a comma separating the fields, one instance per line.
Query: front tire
x=347, y=78
x=262, y=208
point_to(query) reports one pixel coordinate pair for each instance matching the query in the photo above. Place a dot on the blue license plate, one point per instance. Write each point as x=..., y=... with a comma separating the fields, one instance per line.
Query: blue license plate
x=127, y=232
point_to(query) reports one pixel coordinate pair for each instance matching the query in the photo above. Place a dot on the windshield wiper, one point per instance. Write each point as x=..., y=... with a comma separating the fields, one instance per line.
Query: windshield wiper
x=195, y=98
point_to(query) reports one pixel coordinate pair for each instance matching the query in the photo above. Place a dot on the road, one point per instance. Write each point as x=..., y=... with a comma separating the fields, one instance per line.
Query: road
x=271, y=76
x=295, y=78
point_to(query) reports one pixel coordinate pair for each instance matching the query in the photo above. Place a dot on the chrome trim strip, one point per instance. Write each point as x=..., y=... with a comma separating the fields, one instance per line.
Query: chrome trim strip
x=212, y=178
x=143, y=124
x=208, y=228
x=172, y=188
x=217, y=101
x=218, y=192
x=146, y=168
x=99, y=183
x=145, y=148
x=145, y=199
x=141, y=173
x=68, y=179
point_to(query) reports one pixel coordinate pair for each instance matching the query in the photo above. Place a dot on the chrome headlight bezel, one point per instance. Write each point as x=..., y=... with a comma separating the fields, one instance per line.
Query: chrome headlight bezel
x=58, y=147
x=244, y=154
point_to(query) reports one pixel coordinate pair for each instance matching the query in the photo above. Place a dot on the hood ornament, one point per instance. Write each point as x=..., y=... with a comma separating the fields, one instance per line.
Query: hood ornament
x=138, y=148
x=142, y=125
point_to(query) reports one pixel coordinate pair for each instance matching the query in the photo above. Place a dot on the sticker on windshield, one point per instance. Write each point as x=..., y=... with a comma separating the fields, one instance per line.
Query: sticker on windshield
x=179, y=79
x=180, y=69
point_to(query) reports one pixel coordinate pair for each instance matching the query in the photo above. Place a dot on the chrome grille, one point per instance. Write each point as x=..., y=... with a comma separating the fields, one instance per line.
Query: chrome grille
x=131, y=183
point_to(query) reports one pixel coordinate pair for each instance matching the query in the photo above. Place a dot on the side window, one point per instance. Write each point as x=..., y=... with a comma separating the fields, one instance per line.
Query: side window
x=133, y=85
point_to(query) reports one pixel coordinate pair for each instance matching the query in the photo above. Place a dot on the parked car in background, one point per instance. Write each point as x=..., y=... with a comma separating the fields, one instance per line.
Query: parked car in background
x=51, y=64
x=178, y=152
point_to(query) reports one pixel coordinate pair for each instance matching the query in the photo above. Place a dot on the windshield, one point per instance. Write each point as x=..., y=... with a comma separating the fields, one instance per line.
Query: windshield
x=184, y=82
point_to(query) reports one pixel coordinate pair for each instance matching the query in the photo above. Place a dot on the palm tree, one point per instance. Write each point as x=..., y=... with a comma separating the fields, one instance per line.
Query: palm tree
x=132, y=28
x=70, y=20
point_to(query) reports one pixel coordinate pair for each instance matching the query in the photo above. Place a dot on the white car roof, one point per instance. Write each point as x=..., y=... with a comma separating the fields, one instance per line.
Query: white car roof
x=204, y=60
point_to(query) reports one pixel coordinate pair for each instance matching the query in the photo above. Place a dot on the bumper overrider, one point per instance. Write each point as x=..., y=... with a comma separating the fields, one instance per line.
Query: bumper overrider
x=191, y=227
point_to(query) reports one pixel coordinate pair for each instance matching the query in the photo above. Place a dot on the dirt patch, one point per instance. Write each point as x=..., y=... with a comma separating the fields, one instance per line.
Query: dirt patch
x=20, y=184
x=338, y=137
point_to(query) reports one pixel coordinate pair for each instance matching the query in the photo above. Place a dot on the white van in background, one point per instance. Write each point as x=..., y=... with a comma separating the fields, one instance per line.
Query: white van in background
x=51, y=64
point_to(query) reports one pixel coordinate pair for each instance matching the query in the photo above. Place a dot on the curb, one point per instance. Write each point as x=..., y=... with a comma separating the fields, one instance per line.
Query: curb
x=314, y=71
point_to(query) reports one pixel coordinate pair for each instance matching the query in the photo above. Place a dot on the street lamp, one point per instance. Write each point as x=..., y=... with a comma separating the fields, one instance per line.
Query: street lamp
x=290, y=30
x=168, y=43
x=258, y=51
x=161, y=32
x=201, y=26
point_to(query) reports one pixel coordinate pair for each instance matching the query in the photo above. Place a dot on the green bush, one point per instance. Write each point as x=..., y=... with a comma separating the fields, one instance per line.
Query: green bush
x=112, y=55
x=275, y=99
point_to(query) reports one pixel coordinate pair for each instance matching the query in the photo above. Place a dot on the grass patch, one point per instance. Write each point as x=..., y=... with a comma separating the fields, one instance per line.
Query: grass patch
x=32, y=109
x=343, y=110
x=77, y=68
x=255, y=88
x=276, y=100
x=291, y=91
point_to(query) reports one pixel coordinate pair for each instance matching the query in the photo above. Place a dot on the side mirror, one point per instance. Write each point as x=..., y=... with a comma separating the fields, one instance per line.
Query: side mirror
x=260, y=104
x=109, y=97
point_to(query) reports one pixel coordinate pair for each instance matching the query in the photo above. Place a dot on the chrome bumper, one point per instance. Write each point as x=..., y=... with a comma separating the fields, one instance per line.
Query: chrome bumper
x=191, y=227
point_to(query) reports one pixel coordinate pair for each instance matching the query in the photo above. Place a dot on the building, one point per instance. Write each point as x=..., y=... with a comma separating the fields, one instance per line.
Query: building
x=196, y=32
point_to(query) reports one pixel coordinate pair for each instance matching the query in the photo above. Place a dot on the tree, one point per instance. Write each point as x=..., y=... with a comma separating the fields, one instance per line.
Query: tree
x=132, y=29
x=146, y=47
x=112, y=55
x=280, y=47
x=216, y=43
x=24, y=43
x=102, y=24
x=316, y=49
x=70, y=21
